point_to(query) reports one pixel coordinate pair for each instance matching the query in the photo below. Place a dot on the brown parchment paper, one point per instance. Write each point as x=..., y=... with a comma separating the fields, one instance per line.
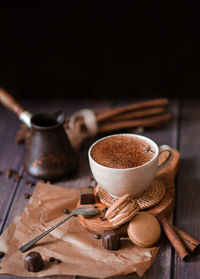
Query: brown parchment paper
x=79, y=252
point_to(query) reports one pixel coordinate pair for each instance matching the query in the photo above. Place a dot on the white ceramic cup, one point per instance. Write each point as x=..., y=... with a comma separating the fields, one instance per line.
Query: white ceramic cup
x=133, y=181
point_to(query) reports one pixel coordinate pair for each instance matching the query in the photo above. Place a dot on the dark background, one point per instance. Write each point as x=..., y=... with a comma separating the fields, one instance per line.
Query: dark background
x=87, y=50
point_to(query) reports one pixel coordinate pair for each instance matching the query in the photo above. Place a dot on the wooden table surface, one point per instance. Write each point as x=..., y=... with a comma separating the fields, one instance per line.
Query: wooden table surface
x=182, y=133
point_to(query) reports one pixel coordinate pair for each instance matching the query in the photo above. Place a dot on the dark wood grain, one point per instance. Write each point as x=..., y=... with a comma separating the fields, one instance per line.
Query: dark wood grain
x=11, y=157
x=188, y=187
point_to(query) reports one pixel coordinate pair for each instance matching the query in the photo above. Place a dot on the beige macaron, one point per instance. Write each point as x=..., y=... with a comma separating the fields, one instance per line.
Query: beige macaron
x=144, y=229
x=122, y=210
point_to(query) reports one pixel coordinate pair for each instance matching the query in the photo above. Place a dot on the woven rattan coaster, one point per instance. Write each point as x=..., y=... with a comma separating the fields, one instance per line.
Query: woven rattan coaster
x=152, y=196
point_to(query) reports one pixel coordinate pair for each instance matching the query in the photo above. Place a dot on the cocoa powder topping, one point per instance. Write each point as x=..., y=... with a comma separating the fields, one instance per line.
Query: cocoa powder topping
x=122, y=152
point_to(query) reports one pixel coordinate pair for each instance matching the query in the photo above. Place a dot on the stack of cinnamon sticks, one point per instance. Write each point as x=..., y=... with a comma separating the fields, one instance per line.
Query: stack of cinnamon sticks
x=151, y=113
x=183, y=243
x=146, y=114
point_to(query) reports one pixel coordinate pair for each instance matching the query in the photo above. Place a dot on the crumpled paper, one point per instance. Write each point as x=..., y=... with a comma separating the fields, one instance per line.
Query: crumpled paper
x=81, y=254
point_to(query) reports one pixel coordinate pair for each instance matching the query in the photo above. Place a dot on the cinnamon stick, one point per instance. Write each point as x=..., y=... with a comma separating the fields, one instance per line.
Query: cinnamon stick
x=173, y=237
x=139, y=114
x=190, y=243
x=146, y=122
x=146, y=104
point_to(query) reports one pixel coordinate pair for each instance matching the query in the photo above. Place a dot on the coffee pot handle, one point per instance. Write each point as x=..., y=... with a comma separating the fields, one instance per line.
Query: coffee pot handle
x=162, y=149
x=8, y=101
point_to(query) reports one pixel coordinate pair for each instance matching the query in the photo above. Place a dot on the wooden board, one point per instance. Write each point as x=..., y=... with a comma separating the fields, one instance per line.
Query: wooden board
x=167, y=175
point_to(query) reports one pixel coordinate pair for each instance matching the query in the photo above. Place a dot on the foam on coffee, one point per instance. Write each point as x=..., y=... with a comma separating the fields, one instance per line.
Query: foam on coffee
x=122, y=152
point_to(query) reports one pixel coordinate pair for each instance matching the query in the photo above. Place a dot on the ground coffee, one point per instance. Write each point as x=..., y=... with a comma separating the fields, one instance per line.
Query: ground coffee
x=122, y=152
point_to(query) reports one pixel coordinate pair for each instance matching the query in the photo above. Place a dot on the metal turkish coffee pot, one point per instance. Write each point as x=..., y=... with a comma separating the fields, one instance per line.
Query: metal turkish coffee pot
x=49, y=152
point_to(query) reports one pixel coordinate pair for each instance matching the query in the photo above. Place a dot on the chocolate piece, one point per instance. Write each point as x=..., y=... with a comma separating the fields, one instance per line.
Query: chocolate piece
x=33, y=262
x=52, y=259
x=66, y=211
x=87, y=195
x=97, y=236
x=2, y=254
x=111, y=241
x=27, y=195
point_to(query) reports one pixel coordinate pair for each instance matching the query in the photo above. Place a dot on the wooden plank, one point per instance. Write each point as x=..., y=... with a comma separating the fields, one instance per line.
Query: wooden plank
x=187, y=213
x=11, y=157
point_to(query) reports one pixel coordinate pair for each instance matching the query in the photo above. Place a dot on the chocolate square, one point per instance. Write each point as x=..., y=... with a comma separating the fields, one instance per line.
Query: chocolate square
x=87, y=195
x=111, y=241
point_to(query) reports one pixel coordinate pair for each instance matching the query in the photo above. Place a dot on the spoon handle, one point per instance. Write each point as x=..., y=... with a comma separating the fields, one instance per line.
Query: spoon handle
x=28, y=245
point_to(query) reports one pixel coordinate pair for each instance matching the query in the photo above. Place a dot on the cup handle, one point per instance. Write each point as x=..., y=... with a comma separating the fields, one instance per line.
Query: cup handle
x=162, y=149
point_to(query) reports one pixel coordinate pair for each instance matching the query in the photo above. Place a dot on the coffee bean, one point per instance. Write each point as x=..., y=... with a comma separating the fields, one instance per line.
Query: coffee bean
x=2, y=254
x=97, y=236
x=91, y=178
x=17, y=177
x=104, y=210
x=30, y=183
x=9, y=173
x=27, y=195
x=66, y=211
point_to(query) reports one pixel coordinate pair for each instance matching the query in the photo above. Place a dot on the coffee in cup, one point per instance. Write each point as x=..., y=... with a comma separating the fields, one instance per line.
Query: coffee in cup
x=122, y=152
x=126, y=163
